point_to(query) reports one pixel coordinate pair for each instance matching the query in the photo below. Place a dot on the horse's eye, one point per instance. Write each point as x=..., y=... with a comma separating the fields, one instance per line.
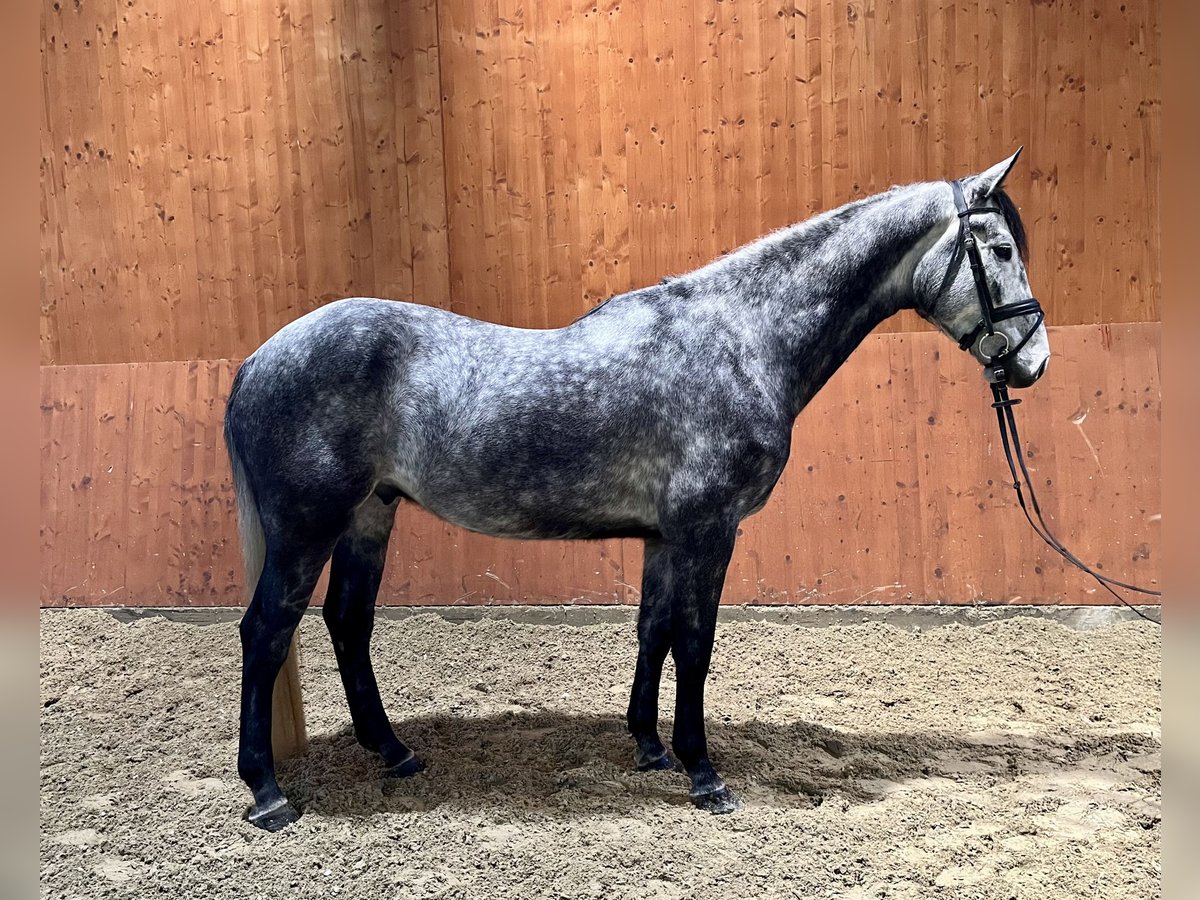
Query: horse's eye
x=1004, y=251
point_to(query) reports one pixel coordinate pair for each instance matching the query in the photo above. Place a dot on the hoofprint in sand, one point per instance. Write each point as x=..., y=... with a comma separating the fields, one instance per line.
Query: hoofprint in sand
x=1014, y=759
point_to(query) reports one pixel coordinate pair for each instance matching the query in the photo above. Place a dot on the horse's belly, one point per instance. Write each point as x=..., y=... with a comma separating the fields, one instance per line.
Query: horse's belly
x=544, y=525
x=530, y=514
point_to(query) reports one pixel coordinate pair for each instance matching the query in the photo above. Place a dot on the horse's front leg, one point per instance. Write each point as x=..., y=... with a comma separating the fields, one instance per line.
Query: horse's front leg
x=699, y=557
x=654, y=642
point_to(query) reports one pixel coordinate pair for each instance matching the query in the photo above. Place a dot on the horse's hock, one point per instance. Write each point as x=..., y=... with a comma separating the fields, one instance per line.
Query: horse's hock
x=288, y=734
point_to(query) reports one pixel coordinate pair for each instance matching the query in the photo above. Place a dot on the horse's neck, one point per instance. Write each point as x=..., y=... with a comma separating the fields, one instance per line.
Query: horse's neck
x=820, y=288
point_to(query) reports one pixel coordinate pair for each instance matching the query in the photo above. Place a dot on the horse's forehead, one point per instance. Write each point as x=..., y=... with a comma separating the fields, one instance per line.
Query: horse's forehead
x=992, y=223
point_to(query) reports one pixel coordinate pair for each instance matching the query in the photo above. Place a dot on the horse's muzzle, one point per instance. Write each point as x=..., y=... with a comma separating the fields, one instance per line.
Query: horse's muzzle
x=1019, y=379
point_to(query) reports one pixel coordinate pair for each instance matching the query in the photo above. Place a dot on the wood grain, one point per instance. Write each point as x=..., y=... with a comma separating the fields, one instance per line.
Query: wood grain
x=212, y=171
x=896, y=491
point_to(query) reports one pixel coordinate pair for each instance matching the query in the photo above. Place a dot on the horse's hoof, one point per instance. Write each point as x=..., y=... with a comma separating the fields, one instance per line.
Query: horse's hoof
x=409, y=766
x=718, y=802
x=274, y=817
x=663, y=763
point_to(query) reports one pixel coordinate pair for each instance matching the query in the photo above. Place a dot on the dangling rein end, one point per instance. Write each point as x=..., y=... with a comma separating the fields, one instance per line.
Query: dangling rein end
x=1003, y=405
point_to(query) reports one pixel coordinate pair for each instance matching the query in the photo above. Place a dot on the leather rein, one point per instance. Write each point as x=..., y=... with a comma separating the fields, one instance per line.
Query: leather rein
x=992, y=347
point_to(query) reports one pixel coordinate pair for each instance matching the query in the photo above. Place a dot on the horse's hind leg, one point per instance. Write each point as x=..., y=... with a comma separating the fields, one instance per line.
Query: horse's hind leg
x=654, y=642
x=354, y=578
x=283, y=592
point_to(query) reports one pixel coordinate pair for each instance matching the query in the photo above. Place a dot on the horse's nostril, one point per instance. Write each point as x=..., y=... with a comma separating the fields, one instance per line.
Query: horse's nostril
x=1041, y=369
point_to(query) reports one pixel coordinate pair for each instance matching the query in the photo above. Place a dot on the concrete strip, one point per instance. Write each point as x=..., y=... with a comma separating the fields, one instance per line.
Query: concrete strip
x=1080, y=618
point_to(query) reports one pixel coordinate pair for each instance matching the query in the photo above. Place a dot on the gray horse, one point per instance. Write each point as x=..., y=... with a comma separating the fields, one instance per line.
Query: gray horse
x=664, y=414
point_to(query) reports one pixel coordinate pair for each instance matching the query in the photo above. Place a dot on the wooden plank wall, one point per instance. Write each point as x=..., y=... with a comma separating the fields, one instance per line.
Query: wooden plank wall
x=896, y=491
x=211, y=171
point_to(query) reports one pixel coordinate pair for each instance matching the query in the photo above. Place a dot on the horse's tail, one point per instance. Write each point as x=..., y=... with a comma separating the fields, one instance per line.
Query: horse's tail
x=249, y=523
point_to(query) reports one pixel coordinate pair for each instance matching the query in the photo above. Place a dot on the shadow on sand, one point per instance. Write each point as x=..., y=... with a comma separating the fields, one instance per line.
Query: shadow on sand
x=567, y=765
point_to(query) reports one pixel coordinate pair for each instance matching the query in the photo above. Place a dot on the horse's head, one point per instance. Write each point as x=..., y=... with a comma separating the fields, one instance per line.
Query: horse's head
x=972, y=284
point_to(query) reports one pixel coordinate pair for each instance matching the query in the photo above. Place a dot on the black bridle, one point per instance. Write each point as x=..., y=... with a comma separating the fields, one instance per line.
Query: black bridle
x=992, y=346
x=983, y=338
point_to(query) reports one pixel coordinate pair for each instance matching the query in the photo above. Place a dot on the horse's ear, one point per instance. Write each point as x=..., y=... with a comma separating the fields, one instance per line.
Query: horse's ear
x=984, y=184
